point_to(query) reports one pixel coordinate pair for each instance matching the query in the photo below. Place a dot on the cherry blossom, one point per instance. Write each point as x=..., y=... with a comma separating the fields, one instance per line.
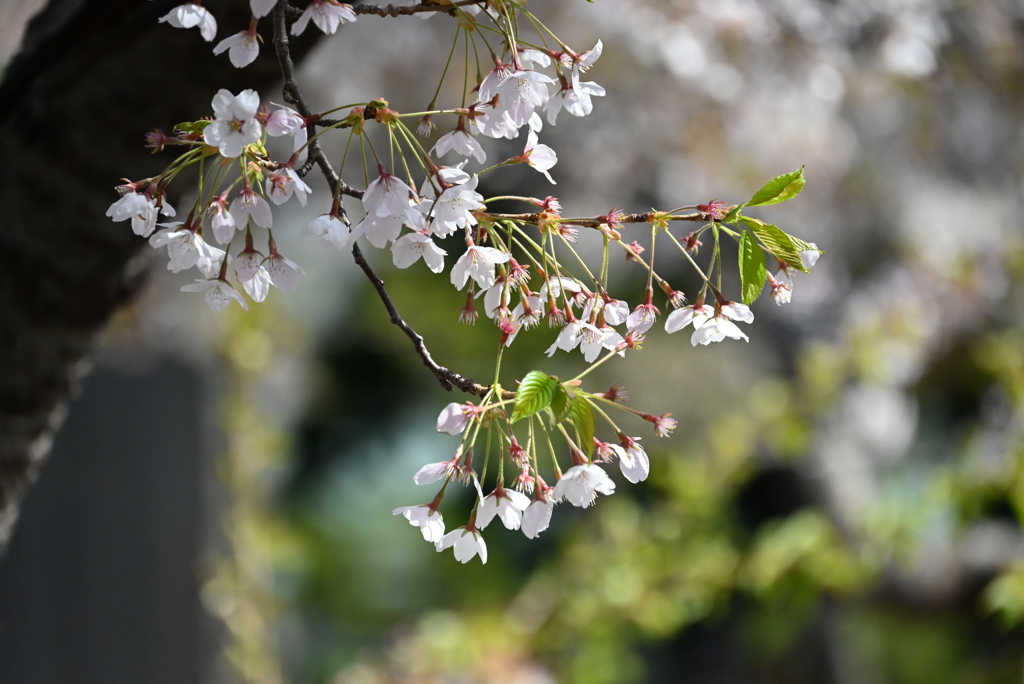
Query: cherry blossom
x=580, y=63
x=186, y=248
x=235, y=125
x=574, y=98
x=380, y=230
x=454, y=209
x=410, y=247
x=477, y=263
x=468, y=542
x=432, y=472
x=721, y=326
x=258, y=286
x=425, y=517
x=326, y=14
x=782, y=287
x=284, y=182
x=261, y=8
x=141, y=209
x=696, y=313
x=461, y=143
x=218, y=293
x=243, y=48
x=633, y=460
x=521, y=92
x=538, y=156
x=507, y=504
x=581, y=484
x=606, y=338
x=454, y=418
x=189, y=15
x=284, y=273
x=221, y=220
x=386, y=195
x=250, y=205
x=537, y=517
x=329, y=229
x=642, y=319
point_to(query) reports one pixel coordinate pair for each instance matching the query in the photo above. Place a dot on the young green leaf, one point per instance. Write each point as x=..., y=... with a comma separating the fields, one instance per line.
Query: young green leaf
x=535, y=393
x=779, y=189
x=776, y=241
x=561, y=404
x=753, y=271
x=583, y=418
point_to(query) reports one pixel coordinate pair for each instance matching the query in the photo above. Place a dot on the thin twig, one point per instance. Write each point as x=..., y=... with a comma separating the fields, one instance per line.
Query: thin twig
x=292, y=93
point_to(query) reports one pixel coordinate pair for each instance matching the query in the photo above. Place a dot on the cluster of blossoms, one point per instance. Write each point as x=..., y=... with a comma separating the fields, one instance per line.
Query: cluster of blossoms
x=515, y=264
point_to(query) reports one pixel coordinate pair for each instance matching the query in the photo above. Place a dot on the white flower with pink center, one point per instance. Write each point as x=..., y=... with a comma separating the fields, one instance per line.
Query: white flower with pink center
x=507, y=504
x=243, y=48
x=425, y=517
x=581, y=484
x=328, y=15
x=235, y=125
x=250, y=205
x=538, y=156
x=189, y=15
x=218, y=293
x=477, y=263
x=468, y=542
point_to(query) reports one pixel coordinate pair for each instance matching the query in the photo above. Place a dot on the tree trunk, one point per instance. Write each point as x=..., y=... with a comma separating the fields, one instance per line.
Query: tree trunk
x=91, y=78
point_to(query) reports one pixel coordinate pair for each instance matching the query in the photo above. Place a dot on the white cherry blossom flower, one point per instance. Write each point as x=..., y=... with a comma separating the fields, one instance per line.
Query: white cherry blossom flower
x=521, y=92
x=258, y=286
x=507, y=504
x=468, y=542
x=380, y=230
x=330, y=230
x=284, y=182
x=454, y=418
x=261, y=8
x=738, y=312
x=218, y=293
x=606, y=338
x=477, y=263
x=782, y=287
x=186, y=248
x=286, y=121
x=530, y=59
x=809, y=257
x=461, y=143
x=682, y=317
x=568, y=339
x=574, y=99
x=633, y=460
x=221, y=220
x=284, y=273
x=716, y=329
x=138, y=207
x=250, y=205
x=642, y=319
x=432, y=472
x=235, y=125
x=425, y=517
x=454, y=209
x=326, y=14
x=410, y=247
x=539, y=156
x=537, y=517
x=189, y=15
x=580, y=63
x=616, y=312
x=581, y=484
x=495, y=123
x=494, y=78
x=386, y=195
x=243, y=48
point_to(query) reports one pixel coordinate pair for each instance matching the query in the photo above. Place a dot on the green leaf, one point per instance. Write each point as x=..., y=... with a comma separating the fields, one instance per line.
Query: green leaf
x=753, y=271
x=535, y=393
x=583, y=418
x=782, y=246
x=779, y=189
x=561, y=404
x=192, y=127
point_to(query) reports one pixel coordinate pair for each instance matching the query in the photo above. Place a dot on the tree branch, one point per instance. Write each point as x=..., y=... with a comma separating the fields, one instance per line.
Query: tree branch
x=293, y=94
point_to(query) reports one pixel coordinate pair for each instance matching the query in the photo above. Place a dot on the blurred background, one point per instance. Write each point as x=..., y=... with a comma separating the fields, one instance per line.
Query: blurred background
x=840, y=503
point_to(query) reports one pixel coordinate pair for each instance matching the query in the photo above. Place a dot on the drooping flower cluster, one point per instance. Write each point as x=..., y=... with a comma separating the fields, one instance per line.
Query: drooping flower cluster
x=516, y=266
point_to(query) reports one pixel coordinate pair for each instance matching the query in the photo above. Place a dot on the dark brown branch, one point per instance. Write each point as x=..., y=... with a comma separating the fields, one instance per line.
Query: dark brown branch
x=292, y=93
x=407, y=10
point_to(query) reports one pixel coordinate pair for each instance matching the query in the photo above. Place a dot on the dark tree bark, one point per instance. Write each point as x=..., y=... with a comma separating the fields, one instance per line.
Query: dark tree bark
x=91, y=78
